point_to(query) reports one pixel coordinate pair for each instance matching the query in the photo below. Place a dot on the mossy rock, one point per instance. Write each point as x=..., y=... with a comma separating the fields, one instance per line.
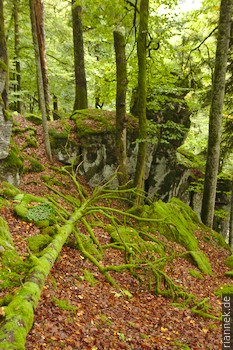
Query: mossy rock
x=190, y=160
x=229, y=261
x=35, y=119
x=95, y=121
x=225, y=289
x=8, y=191
x=14, y=159
x=5, y=235
x=219, y=239
x=178, y=222
x=202, y=262
x=39, y=242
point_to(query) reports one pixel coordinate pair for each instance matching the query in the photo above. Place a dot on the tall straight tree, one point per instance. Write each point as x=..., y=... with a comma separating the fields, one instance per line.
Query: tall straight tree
x=215, y=119
x=4, y=76
x=121, y=73
x=36, y=7
x=79, y=64
x=139, y=179
x=5, y=121
x=18, y=104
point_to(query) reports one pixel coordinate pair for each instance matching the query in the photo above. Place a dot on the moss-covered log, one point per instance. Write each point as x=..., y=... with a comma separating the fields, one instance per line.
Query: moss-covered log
x=17, y=317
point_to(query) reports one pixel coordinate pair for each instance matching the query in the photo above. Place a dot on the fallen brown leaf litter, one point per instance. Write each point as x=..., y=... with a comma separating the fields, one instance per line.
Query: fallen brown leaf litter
x=76, y=314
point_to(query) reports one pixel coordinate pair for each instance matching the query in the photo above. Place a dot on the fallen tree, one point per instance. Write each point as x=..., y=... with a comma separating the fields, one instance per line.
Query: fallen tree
x=17, y=317
x=145, y=256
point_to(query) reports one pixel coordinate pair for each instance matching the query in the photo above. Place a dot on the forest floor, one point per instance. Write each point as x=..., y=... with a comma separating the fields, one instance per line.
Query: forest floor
x=98, y=316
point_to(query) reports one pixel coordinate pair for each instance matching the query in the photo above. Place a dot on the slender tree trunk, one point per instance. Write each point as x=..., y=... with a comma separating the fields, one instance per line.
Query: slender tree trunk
x=39, y=14
x=231, y=220
x=139, y=179
x=5, y=121
x=18, y=105
x=79, y=65
x=121, y=72
x=215, y=120
x=35, y=22
x=4, y=73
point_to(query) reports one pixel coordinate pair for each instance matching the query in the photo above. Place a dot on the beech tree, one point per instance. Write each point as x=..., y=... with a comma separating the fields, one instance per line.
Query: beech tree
x=4, y=78
x=36, y=13
x=79, y=65
x=17, y=86
x=121, y=72
x=139, y=178
x=215, y=118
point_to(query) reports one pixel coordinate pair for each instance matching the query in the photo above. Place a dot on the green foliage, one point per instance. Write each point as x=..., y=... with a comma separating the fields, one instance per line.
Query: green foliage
x=39, y=212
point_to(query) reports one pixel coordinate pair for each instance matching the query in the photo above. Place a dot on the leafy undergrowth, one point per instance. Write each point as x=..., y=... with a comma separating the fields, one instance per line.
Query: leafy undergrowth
x=79, y=309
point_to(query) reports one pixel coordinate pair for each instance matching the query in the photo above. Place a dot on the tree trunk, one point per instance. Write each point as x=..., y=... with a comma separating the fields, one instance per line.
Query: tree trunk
x=4, y=76
x=18, y=104
x=79, y=66
x=121, y=72
x=36, y=34
x=231, y=220
x=18, y=315
x=5, y=121
x=39, y=14
x=215, y=119
x=139, y=178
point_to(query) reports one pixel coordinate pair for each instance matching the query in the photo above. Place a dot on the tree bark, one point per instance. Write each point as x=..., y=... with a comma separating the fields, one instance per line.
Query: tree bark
x=215, y=119
x=18, y=104
x=18, y=315
x=39, y=14
x=79, y=64
x=231, y=220
x=121, y=72
x=4, y=74
x=139, y=178
x=36, y=34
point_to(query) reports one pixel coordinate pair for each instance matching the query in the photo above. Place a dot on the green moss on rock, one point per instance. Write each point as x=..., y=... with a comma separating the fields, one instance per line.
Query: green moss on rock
x=8, y=191
x=35, y=119
x=178, y=222
x=14, y=159
x=219, y=239
x=95, y=121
